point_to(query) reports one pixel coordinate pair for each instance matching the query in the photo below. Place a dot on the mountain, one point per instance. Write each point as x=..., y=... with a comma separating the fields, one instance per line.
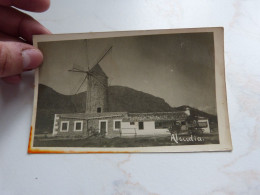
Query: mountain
x=50, y=99
x=51, y=102
x=125, y=99
x=120, y=99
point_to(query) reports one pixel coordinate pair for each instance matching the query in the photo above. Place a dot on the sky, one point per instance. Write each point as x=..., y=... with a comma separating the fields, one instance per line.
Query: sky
x=178, y=68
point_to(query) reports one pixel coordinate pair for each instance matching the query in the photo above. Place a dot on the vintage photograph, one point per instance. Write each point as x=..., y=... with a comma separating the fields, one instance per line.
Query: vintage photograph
x=153, y=91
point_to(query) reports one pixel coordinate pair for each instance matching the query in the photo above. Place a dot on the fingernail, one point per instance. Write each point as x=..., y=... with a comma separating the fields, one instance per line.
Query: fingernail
x=32, y=58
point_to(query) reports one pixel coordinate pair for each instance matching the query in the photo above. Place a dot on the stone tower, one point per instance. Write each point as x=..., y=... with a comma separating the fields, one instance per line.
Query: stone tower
x=97, y=91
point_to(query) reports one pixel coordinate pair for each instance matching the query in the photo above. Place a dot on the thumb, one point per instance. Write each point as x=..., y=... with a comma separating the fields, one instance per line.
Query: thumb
x=17, y=57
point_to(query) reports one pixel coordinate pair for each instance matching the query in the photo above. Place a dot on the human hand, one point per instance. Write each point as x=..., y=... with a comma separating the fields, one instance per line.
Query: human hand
x=16, y=30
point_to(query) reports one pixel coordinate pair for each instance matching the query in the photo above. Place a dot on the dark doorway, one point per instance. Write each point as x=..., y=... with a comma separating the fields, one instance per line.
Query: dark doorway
x=141, y=125
x=103, y=127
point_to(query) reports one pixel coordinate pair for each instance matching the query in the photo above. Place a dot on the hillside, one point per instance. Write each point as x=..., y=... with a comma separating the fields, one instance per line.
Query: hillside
x=120, y=99
x=50, y=102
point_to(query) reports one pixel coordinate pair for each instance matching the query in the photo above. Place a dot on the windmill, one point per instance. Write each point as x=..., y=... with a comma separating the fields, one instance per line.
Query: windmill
x=97, y=86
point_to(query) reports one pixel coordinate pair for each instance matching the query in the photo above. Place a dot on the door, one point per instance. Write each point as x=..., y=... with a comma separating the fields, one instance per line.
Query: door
x=103, y=127
x=141, y=125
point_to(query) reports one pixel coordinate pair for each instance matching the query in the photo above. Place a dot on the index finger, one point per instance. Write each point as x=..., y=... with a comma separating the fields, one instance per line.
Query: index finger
x=29, y=5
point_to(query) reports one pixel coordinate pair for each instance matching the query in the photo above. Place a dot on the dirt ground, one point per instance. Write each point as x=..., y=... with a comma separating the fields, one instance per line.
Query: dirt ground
x=128, y=141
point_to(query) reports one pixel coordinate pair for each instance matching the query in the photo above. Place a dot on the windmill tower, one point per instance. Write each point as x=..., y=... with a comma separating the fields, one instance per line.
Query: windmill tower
x=97, y=87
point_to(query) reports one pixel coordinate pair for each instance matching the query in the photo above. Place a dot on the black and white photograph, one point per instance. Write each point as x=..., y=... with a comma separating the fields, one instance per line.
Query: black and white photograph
x=130, y=92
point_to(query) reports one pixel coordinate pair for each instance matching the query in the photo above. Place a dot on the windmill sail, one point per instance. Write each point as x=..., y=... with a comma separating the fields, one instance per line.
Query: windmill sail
x=97, y=85
x=81, y=84
x=104, y=55
x=90, y=72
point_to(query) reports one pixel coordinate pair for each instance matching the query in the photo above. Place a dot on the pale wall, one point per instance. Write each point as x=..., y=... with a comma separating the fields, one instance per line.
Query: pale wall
x=149, y=129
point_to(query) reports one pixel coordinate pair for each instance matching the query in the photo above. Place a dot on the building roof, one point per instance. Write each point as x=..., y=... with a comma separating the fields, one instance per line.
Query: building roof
x=129, y=117
x=155, y=116
x=98, y=71
x=87, y=116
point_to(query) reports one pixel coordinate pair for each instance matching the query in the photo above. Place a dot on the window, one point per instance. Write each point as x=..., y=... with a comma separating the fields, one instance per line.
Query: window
x=99, y=110
x=78, y=125
x=117, y=124
x=64, y=126
x=163, y=124
x=158, y=125
x=203, y=124
x=141, y=125
x=132, y=123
